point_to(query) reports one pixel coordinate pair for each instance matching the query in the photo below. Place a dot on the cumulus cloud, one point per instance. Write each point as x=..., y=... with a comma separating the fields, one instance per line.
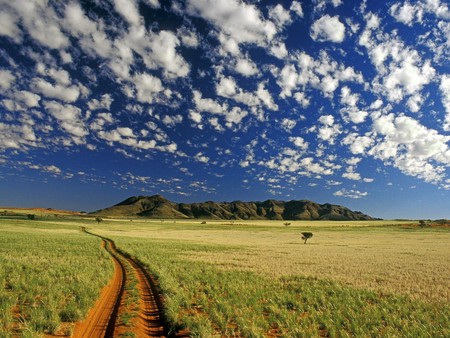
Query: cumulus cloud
x=240, y=21
x=328, y=28
x=55, y=91
x=104, y=102
x=280, y=15
x=147, y=86
x=411, y=147
x=9, y=26
x=246, y=67
x=445, y=92
x=6, y=79
x=38, y=19
x=355, y=194
x=323, y=73
x=69, y=118
x=128, y=10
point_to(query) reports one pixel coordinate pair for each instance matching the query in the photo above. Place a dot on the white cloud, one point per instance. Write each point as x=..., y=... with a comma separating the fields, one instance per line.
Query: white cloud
x=358, y=144
x=302, y=99
x=240, y=21
x=208, y=105
x=6, y=79
x=323, y=73
x=128, y=10
x=9, y=26
x=246, y=67
x=16, y=136
x=195, y=116
x=296, y=7
x=171, y=121
x=279, y=50
x=407, y=79
x=188, y=38
x=265, y=97
x=69, y=118
x=40, y=21
x=93, y=40
x=406, y=13
x=299, y=142
x=103, y=103
x=327, y=120
x=153, y=3
x=445, y=91
x=280, y=15
x=288, y=124
x=147, y=87
x=201, y=158
x=328, y=28
x=235, y=116
x=411, y=147
x=350, y=193
x=55, y=91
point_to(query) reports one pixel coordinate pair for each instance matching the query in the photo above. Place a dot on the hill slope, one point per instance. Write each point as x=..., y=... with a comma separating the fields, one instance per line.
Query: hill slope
x=158, y=207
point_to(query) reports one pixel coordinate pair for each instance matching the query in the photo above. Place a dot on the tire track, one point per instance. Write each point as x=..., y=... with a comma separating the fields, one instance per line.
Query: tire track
x=102, y=320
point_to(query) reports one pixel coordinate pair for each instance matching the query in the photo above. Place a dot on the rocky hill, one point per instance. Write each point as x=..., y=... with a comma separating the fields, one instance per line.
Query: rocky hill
x=158, y=207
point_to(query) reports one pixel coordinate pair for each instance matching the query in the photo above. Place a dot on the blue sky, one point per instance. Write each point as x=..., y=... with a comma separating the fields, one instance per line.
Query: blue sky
x=344, y=102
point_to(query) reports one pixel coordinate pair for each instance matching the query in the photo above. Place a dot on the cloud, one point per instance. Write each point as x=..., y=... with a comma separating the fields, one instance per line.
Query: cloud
x=6, y=79
x=323, y=73
x=69, y=118
x=201, y=158
x=128, y=10
x=16, y=136
x=411, y=147
x=103, y=103
x=40, y=21
x=445, y=92
x=147, y=87
x=355, y=194
x=246, y=67
x=406, y=13
x=242, y=22
x=280, y=15
x=328, y=28
x=296, y=7
x=9, y=25
x=208, y=105
x=55, y=91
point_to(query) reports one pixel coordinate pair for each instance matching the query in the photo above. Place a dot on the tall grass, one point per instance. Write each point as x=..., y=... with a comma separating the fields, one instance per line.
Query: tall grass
x=48, y=275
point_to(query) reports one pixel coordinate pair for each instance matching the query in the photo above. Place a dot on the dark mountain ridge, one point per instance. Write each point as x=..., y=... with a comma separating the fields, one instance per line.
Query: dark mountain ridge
x=158, y=207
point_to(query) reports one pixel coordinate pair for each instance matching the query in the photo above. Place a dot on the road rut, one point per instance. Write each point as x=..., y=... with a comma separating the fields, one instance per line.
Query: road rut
x=103, y=319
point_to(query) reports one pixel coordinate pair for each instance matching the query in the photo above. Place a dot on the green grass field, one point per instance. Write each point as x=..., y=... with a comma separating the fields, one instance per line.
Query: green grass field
x=248, y=279
x=49, y=274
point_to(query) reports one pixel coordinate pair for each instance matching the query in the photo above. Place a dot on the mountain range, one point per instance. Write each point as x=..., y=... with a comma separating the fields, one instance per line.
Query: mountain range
x=159, y=207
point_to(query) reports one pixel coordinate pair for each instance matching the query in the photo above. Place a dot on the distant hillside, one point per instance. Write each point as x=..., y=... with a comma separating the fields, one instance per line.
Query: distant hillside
x=158, y=207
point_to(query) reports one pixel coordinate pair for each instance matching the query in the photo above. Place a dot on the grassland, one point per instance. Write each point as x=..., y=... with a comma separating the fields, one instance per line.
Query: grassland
x=50, y=275
x=250, y=279
x=255, y=280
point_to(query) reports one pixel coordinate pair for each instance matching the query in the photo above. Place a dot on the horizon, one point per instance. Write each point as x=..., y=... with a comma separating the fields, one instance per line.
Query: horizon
x=337, y=102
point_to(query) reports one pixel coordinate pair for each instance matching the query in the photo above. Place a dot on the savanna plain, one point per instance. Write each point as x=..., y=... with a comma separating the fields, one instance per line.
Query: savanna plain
x=233, y=279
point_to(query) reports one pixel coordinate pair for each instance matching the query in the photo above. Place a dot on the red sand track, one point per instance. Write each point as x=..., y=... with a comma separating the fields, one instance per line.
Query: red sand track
x=102, y=318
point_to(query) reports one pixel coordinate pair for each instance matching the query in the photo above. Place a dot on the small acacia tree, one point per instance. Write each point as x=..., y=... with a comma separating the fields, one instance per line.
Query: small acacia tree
x=306, y=236
x=98, y=219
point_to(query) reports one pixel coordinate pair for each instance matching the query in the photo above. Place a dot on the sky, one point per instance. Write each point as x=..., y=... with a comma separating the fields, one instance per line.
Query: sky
x=343, y=102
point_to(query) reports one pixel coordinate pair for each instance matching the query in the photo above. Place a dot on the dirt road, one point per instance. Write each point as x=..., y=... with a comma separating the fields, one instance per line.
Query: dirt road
x=129, y=305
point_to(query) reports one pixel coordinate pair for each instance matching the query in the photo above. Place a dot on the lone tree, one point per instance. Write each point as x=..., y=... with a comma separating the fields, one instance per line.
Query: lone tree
x=98, y=219
x=31, y=216
x=306, y=236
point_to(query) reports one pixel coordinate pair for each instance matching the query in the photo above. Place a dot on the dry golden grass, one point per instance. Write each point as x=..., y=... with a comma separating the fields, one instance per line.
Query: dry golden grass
x=390, y=259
